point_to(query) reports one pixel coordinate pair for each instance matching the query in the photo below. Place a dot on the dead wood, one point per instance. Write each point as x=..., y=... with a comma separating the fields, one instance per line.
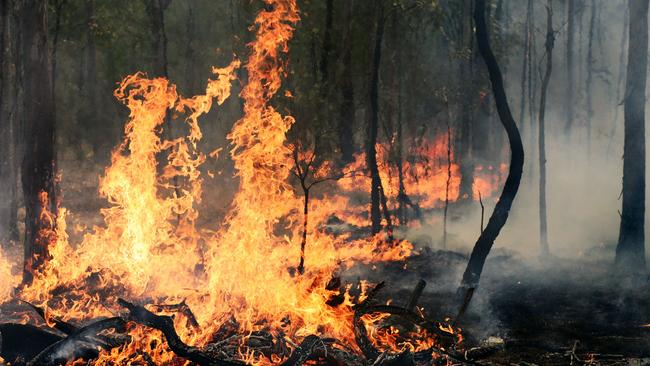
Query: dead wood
x=22, y=342
x=60, y=325
x=165, y=324
x=181, y=308
x=305, y=351
x=84, y=343
x=444, y=340
x=415, y=296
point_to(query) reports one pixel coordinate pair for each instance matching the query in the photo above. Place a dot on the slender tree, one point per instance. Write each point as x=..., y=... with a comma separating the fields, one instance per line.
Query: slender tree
x=590, y=73
x=630, y=252
x=499, y=216
x=156, y=10
x=38, y=167
x=548, y=46
x=466, y=104
x=377, y=197
x=347, y=106
x=570, y=40
x=525, y=63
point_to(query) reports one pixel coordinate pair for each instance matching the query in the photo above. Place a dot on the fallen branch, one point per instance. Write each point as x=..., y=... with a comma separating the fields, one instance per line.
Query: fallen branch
x=60, y=325
x=165, y=324
x=83, y=343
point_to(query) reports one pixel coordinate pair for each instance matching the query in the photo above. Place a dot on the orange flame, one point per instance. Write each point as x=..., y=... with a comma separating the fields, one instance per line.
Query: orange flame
x=149, y=246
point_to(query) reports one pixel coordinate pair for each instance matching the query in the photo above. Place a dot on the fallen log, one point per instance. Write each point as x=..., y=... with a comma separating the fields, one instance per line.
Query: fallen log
x=20, y=343
x=85, y=343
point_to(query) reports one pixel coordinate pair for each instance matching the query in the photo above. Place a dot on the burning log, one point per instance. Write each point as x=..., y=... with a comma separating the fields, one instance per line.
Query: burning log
x=60, y=325
x=84, y=343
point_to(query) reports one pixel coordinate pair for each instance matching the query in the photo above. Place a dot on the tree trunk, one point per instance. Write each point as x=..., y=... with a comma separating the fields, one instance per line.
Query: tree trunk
x=347, y=108
x=376, y=188
x=327, y=44
x=550, y=41
x=525, y=64
x=466, y=104
x=571, y=31
x=38, y=168
x=630, y=252
x=190, y=56
x=589, y=81
x=9, y=59
x=305, y=222
x=157, y=11
x=502, y=208
x=619, y=81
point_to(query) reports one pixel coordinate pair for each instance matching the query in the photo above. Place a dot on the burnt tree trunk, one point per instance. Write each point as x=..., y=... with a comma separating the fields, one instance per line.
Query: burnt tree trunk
x=38, y=167
x=466, y=105
x=502, y=208
x=9, y=87
x=630, y=252
x=550, y=42
x=157, y=12
x=190, y=55
x=377, y=197
x=347, y=108
x=58, y=9
x=327, y=43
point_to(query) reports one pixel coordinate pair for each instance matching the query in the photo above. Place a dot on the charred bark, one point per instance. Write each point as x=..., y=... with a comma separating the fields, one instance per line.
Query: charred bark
x=550, y=42
x=500, y=214
x=466, y=104
x=327, y=43
x=157, y=11
x=347, y=108
x=377, y=196
x=9, y=88
x=38, y=168
x=630, y=252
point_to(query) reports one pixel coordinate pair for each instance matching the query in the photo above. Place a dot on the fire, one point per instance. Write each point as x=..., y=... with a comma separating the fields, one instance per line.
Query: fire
x=238, y=276
x=150, y=249
x=425, y=170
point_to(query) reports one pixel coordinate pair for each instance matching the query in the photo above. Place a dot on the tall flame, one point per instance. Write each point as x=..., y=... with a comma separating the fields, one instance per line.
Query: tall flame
x=242, y=272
